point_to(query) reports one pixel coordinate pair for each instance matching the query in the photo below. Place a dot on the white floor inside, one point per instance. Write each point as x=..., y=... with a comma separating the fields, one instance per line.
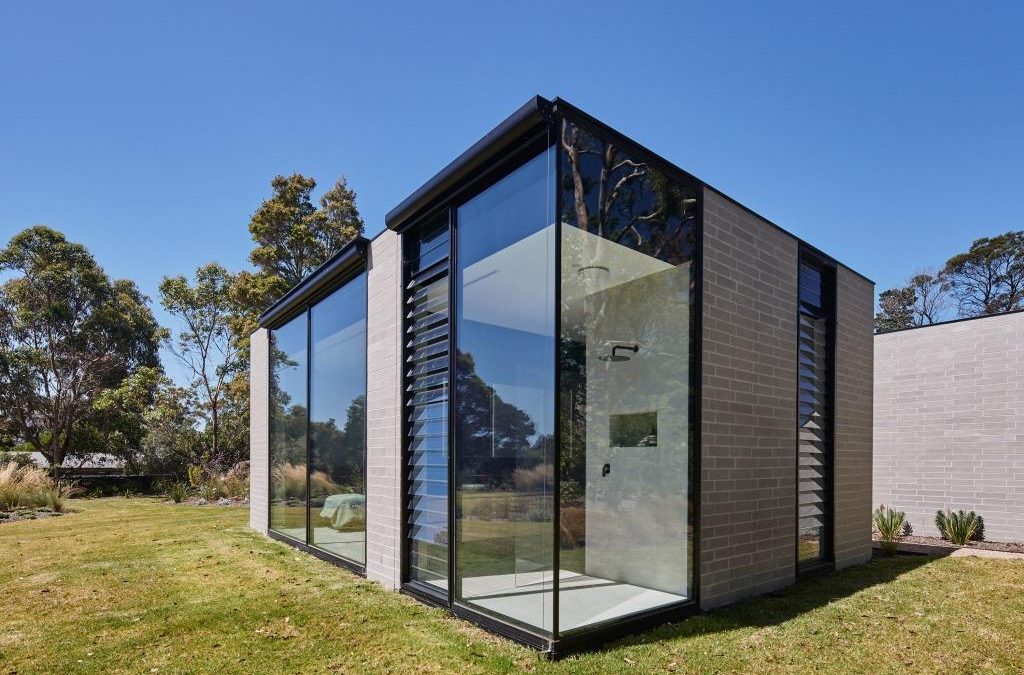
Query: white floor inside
x=348, y=545
x=583, y=600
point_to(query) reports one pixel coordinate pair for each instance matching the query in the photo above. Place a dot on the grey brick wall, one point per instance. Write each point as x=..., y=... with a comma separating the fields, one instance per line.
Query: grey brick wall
x=949, y=422
x=259, y=410
x=383, y=407
x=748, y=446
x=853, y=396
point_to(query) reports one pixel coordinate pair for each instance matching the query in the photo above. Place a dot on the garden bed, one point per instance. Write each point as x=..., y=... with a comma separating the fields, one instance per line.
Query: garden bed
x=938, y=546
x=28, y=514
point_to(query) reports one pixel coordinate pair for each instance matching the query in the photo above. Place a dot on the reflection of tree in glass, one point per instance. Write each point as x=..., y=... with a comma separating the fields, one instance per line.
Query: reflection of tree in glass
x=287, y=422
x=339, y=452
x=608, y=193
x=493, y=436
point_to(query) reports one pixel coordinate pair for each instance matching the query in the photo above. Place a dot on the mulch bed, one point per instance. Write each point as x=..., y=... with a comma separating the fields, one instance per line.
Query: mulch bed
x=1009, y=547
x=27, y=514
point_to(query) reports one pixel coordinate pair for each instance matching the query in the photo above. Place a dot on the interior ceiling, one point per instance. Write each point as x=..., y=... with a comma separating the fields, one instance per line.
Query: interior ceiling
x=508, y=288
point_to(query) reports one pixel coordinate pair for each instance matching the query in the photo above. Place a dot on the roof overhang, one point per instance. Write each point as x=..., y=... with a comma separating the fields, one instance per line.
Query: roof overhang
x=346, y=262
x=498, y=140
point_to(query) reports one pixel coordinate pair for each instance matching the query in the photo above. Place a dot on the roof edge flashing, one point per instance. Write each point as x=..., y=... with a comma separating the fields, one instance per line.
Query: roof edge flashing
x=341, y=264
x=500, y=137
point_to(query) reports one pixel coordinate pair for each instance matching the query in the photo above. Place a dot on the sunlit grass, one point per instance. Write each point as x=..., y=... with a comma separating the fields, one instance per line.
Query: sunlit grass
x=129, y=585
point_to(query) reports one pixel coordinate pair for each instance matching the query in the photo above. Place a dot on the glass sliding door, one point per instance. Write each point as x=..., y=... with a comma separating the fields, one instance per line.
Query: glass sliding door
x=627, y=354
x=288, y=418
x=337, y=423
x=815, y=418
x=504, y=397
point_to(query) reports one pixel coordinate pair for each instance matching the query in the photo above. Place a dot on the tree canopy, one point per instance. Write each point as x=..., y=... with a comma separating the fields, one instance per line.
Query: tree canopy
x=292, y=236
x=69, y=337
x=204, y=343
x=989, y=277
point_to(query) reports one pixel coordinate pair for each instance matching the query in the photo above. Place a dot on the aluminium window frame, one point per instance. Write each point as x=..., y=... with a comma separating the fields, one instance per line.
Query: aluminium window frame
x=495, y=168
x=342, y=268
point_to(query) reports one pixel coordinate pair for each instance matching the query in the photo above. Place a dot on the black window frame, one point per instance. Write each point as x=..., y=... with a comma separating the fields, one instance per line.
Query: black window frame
x=528, y=144
x=344, y=266
x=826, y=267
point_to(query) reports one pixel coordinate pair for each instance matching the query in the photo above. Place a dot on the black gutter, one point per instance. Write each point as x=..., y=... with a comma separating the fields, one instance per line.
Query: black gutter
x=342, y=263
x=491, y=145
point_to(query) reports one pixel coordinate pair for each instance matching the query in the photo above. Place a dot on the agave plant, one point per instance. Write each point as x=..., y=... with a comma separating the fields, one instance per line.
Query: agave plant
x=890, y=526
x=959, y=527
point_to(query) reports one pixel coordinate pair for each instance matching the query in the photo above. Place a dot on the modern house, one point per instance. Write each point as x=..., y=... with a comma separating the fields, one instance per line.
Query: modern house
x=569, y=392
x=949, y=422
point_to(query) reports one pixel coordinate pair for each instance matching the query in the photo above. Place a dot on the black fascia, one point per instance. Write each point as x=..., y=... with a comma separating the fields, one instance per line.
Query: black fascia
x=567, y=110
x=504, y=136
x=350, y=258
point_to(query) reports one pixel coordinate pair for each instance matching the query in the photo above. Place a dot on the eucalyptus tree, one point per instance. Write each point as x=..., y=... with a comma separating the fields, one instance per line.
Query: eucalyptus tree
x=69, y=335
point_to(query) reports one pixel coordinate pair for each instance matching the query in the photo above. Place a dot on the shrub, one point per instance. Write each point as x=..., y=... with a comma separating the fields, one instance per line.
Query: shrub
x=53, y=497
x=22, y=486
x=959, y=527
x=178, y=492
x=196, y=475
x=211, y=489
x=890, y=525
x=236, y=481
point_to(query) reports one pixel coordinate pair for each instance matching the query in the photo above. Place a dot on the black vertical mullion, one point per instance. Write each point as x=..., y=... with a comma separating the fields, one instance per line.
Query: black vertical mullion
x=696, y=390
x=309, y=408
x=556, y=509
x=830, y=369
x=453, y=282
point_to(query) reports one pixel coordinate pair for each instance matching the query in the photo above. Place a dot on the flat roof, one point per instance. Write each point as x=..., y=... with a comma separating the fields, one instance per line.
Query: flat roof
x=342, y=263
x=949, y=321
x=512, y=129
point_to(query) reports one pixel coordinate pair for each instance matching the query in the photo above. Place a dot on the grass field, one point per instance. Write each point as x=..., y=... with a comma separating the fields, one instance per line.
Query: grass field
x=143, y=586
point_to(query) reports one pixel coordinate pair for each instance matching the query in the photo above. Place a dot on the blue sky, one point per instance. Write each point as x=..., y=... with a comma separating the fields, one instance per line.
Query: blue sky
x=888, y=134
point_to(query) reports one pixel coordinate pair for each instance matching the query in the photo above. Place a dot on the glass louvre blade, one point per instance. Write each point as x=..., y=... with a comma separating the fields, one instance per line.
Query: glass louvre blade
x=426, y=402
x=814, y=456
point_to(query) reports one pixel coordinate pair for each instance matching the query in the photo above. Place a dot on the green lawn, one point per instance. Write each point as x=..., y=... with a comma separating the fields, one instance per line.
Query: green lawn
x=141, y=586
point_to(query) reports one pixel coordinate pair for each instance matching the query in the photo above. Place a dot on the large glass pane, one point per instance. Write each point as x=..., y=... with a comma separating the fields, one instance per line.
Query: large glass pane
x=504, y=397
x=337, y=416
x=627, y=354
x=288, y=418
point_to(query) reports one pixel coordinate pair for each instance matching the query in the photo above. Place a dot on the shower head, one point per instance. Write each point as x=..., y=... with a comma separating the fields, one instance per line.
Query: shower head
x=614, y=357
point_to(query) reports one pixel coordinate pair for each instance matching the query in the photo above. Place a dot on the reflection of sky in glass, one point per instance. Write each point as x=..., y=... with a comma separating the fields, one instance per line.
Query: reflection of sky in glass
x=290, y=340
x=339, y=352
x=506, y=293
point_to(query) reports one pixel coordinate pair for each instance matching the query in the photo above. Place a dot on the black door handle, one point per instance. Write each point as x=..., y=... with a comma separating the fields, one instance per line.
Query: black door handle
x=605, y=470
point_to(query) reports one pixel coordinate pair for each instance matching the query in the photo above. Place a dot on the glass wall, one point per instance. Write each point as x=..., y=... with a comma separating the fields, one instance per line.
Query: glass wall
x=318, y=446
x=337, y=423
x=627, y=354
x=288, y=371
x=504, y=397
